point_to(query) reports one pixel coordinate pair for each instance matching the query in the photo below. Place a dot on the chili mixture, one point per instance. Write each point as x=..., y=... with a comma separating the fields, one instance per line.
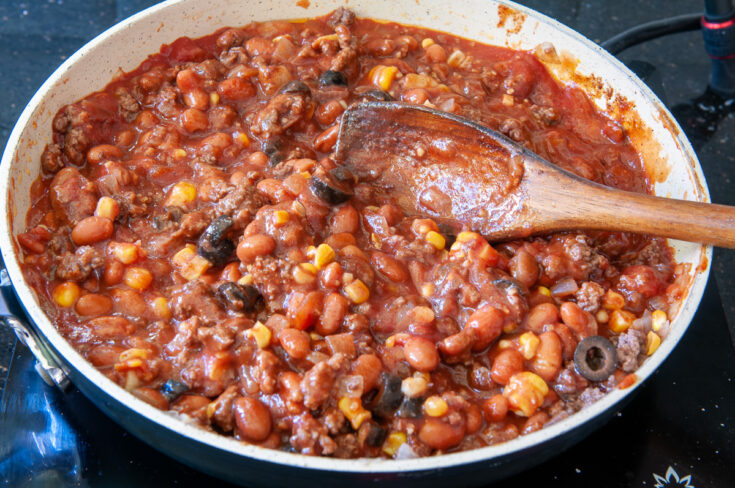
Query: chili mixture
x=192, y=238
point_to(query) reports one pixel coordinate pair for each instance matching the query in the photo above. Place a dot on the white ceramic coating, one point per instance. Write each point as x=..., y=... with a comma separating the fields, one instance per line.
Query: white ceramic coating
x=125, y=45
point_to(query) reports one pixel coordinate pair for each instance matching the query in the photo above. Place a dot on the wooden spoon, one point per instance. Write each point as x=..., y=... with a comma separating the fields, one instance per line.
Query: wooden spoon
x=465, y=175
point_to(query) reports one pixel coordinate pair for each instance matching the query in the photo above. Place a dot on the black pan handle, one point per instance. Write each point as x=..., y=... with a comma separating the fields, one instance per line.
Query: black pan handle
x=12, y=315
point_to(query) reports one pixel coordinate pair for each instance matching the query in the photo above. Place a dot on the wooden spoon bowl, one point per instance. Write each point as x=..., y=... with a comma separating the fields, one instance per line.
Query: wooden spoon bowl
x=465, y=175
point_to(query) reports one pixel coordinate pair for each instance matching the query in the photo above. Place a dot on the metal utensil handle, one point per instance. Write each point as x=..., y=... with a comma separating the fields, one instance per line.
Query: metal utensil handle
x=46, y=366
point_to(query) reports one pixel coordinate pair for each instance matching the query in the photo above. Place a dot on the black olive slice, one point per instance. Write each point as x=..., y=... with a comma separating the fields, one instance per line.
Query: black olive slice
x=213, y=245
x=509, y=282
x=240, y=298
x=449, y=234
x=389, y=396
x=411, y=408
x=295, y=86
x=274, y=149
x=173, y=389
x=375, y=434
x=340, y=173
x=595, y=358
x=377, y=95
x=331, y=189
x=330, y=77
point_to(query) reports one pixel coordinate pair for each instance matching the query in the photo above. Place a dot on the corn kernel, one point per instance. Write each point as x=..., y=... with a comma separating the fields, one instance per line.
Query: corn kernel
x=528, y=344
x=436, y=239
x=211, y=409
x=427, y=289
x=161, y=309
x=435, y=406
x=189, y=264
x=182, y=194
x=310, y=252
x=243, y=139
x=427, y=42
x=304, y=273
x=602, y=316
x=66, y=294
x=353, y=410
x=383, y=76
x=505, y=344
x=658, y=320
x=393, y=442
x=510, y=327
x=214, y=98
x=246, y=280
x=323, y=255
x=179, y=153
x=376, y=242
x=184, y=255
x=613, y=300
x=652, y=342
x=620, y=321
x=261, y=334
x=138, y=278
x=357, y=292
x=413, y=387
x=124, y=252
x=544, y=291
x=390, y=341
x=467, y=236
x=281, y=217
x=133, y=353
x=456, y=59
x=107, y=207
x=508, y=100
x=525, y=393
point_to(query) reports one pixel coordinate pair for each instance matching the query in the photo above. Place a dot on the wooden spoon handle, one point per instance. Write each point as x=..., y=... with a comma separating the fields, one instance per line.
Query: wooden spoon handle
x=580, y=204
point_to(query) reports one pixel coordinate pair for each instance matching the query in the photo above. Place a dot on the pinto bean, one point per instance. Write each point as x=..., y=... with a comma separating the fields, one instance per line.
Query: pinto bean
x=485, y=325
x=540, y=315
x=495, y=408
x=456, y=344
x=389, y=267
x=438, y=434
x=113, y=272
x=103, y=152
x=369, y=367
x=345, y=219
x=580, y=321
x=194, y=120
x=327, y=113
x=91, y=230
x=524, y=268
x=253, y=246
x=104, y=354
x=548, y=359
x=111, y=327
x=436, y=54
x=93, y=304
x=505, y=365
x=152, y=397
x=335, y=308
x=253, y=419
x=295, y=342
x=535, y=422
x=325, y=141
x=474, y=419
x=421, y=354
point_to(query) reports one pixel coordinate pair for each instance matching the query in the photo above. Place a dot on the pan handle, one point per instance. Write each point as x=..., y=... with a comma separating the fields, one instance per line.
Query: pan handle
x=10, y=312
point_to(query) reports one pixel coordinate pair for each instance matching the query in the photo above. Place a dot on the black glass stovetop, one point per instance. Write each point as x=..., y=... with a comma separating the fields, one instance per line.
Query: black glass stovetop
x=678, y=431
